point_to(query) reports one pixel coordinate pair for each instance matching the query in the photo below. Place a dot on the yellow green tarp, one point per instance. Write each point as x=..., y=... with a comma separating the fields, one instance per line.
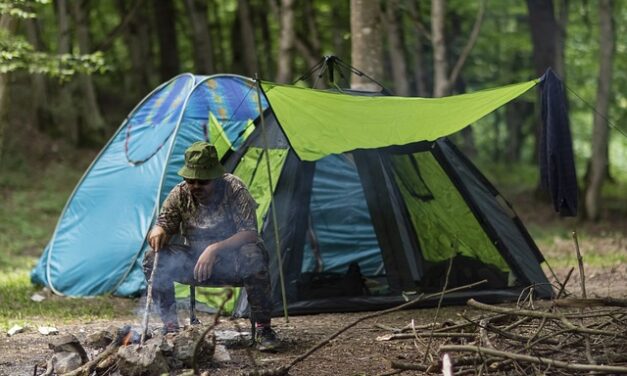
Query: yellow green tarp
x=319, y=123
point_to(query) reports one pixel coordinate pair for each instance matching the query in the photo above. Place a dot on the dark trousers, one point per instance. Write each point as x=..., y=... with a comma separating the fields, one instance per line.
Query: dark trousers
x=246, y=266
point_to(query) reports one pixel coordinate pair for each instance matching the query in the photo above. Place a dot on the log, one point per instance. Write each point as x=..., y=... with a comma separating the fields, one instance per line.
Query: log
x=534, y=359
x=591, y=302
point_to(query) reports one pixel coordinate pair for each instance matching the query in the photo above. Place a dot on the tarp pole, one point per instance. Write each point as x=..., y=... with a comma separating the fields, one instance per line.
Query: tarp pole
x=272, y=206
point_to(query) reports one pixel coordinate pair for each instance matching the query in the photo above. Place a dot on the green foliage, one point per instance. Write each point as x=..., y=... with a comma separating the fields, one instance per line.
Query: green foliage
x=17, y=54
x=20, y=8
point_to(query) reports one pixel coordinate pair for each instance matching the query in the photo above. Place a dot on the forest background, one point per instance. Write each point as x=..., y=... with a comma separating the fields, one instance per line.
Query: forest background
x=72, y=70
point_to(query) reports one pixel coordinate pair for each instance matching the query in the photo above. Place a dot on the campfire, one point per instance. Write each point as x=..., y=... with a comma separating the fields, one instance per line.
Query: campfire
x=117, y=351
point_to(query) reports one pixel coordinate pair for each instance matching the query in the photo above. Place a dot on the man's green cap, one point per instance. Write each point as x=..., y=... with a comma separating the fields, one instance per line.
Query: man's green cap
x=201, y=162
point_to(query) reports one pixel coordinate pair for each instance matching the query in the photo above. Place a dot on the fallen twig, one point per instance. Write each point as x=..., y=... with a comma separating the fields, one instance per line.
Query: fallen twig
x=535, y=359
x=591, y=302
x=540, y=314
x=437, y=311
x=389, y=337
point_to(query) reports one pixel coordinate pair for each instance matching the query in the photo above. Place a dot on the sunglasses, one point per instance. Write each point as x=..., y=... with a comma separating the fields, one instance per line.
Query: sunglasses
x=197, y=181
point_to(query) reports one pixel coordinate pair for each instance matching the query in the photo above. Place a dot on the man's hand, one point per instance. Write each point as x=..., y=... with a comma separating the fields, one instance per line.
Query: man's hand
x=157, y=238
x=204, y=265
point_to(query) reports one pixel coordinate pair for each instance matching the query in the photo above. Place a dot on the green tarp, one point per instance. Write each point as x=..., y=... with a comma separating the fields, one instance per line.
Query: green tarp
x=319, y=123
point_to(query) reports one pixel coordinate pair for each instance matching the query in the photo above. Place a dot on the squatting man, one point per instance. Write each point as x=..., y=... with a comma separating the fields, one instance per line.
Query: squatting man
x=214, y=213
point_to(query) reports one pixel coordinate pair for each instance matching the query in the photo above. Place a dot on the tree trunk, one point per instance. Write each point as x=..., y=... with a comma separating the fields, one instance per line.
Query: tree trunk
x=267, y=66
x=543, y=34
x=543, y=37
x=7, y=24
x=308, y=41
x=286, y=43
x=560, y=39
x=396, y=48
x=91, y=124
x=337, y=27
x=247, y=35
x=600, y=135
x=65, y=111
x=39, y=105
x=203, y=57
x=420, y=77
x=165, y=16
x=216, y=29
x=367, y=46
x=137, y=40
x=444, y=81
x=441, y=85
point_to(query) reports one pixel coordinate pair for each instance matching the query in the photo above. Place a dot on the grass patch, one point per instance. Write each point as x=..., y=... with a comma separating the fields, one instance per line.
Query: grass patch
x=589, y=258
x=16, y=290
x=30, y=210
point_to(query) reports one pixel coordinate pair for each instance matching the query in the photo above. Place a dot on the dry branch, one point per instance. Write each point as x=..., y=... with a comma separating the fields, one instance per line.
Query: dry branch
x=541, y=314
x=389, y=337
x=535, y=359
x=591, y=302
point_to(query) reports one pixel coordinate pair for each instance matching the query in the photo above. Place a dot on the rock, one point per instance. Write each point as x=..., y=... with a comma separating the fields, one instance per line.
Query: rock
x=65, y=361
x=14, y=330
x=36, y=297
x=48, y=330
x=68, y=343
x=147, y=360
x=221, y=354
x=101, y=338
x=184, y=345
x=231, y=337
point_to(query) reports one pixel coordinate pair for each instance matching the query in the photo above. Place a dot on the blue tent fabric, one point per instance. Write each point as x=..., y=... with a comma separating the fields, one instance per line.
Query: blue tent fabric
x=340, y=220
x=557, y=163
x=99, y=240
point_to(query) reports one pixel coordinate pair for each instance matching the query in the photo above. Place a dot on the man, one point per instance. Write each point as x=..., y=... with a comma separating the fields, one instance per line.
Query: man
x=215, y=214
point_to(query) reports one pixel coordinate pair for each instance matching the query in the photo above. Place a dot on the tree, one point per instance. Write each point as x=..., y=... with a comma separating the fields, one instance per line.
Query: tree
x=165, y=15
x=243, y=37
x=91, y=124
x=286, y=42
x=443, y=80
x=64, y=113
x=396, y=48
x=203, y=52
x=598, y=166
x=138, y=44
x=366, y=44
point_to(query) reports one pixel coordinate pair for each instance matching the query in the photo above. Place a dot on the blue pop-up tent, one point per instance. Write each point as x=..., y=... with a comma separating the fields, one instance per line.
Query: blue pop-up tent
x=98, y=243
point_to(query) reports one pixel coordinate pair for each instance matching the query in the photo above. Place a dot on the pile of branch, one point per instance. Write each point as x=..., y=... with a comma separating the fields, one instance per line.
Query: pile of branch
x=523, y=340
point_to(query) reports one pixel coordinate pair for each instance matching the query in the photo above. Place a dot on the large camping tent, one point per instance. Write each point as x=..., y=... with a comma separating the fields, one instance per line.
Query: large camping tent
x=369, y=201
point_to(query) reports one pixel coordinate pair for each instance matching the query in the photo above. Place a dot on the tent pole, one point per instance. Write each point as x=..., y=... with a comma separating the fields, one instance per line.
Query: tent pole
x=272, y=206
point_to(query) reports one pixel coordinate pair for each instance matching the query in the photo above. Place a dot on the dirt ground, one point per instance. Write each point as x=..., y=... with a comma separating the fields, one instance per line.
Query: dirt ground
x=355, y=352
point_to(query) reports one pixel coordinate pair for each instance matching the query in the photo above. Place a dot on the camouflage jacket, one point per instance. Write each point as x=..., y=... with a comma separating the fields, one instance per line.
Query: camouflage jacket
x=230, y=210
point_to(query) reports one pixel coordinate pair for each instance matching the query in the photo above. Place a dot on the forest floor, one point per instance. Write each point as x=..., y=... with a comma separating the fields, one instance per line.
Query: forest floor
x=355, y=352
